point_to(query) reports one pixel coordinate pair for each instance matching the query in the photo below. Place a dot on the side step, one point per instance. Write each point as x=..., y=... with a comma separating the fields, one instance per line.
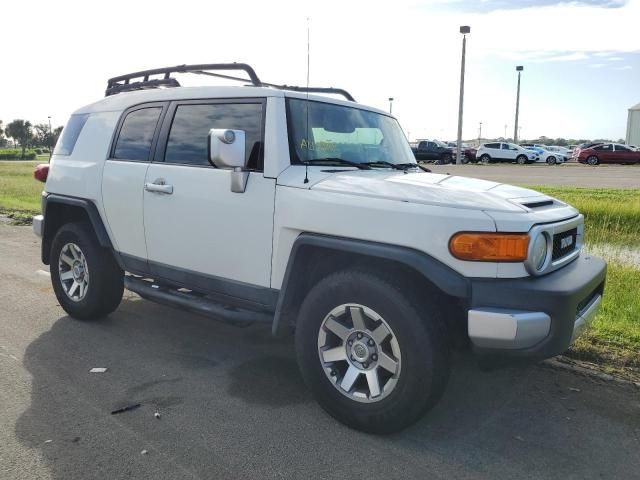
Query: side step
x=194, y=302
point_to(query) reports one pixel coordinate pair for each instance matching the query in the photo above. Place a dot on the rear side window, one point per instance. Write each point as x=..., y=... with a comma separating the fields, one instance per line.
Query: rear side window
x=189, y=135
x=70, y=134
x=492, y=145
x=136, y=134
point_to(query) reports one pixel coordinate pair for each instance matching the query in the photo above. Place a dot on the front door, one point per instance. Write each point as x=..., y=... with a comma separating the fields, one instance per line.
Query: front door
x=198, y=232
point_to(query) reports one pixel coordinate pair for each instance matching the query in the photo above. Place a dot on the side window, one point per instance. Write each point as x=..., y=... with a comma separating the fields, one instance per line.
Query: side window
x=492, y=145
x=136, y=134
x=606, y=148
x=188, y=137
x=620, y=148
x=70, y=135
x=422, y=146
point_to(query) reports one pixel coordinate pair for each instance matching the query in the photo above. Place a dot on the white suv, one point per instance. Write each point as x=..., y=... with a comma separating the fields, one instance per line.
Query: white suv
x=505, y=152
x=266, y=204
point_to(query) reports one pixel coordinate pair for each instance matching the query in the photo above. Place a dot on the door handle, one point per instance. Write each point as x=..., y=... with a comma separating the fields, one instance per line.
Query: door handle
x=159, y=186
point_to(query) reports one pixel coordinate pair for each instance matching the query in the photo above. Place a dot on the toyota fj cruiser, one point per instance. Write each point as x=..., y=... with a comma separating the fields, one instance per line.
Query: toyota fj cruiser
x=266, y=203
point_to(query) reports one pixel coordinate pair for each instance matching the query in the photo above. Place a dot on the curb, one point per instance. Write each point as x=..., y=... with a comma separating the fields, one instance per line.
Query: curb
x=587, y=369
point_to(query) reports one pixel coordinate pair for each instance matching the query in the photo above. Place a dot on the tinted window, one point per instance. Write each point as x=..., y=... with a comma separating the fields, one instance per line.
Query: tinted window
x=492, y=145
x=620, y=148
x=422, y=145
x=188, y=139
x=136, y=134
x=603, y=147
x=70, y=134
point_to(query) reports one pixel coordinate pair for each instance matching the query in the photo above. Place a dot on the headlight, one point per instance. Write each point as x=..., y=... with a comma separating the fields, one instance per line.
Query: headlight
x=539, y=252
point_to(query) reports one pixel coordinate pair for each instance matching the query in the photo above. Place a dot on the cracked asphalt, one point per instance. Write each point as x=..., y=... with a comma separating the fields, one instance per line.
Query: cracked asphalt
x=232, y=404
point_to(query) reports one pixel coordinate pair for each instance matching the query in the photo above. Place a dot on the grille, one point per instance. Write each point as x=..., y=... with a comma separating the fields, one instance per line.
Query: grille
x=564, y=243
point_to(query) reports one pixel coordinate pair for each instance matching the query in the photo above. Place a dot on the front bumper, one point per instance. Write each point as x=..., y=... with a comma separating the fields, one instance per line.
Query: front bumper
x=536, y=317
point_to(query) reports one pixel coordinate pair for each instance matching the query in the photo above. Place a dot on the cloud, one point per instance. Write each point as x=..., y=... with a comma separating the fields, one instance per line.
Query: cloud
x=626, y=67
x=486, y=6
x=614, y=59
x=598, y=65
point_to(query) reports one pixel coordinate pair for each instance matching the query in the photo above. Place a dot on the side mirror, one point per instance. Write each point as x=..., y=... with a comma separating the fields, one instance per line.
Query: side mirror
x=227, y=151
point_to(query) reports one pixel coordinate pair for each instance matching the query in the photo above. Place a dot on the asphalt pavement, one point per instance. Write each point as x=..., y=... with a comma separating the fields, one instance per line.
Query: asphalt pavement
x=232, y=404
x=570, y=174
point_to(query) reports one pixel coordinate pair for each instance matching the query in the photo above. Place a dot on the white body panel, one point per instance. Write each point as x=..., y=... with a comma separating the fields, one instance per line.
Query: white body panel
x=122, y=200
x=204, y=227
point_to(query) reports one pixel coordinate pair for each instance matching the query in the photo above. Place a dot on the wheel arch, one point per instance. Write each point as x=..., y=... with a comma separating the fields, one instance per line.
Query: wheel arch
x=315, y=256
x=59, y=210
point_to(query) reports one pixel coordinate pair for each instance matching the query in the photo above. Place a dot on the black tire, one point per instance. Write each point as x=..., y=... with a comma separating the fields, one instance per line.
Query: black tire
x=551, y=160
x=422, y=341
x=448, y=159
x=593, y=160
x=464, y=159
x=521, y=159
x=106, y=279
x=485, y=159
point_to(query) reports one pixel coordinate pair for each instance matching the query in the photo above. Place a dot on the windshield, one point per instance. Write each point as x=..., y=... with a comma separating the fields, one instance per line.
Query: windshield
x=345, y=133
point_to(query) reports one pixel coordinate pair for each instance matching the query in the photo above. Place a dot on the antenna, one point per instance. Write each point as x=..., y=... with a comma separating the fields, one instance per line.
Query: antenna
x=306, y=130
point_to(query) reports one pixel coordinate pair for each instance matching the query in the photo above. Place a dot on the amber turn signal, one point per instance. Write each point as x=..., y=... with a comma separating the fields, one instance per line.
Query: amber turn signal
x=490, y=247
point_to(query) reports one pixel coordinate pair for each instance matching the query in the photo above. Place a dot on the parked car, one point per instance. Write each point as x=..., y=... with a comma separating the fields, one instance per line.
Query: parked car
x=505, y=152
x=310, y=215
x=433, y=151
x=608, y=153
x=549, y=157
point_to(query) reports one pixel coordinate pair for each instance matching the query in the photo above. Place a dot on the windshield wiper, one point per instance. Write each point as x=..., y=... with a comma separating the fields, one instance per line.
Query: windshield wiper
x=395, y=166
x=340, y=161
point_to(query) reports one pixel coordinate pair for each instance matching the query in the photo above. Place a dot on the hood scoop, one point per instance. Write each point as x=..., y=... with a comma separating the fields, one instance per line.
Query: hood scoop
x=540, y=204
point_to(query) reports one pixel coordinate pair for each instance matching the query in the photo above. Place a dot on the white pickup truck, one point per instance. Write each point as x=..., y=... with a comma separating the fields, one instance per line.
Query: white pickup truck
x=267, y=203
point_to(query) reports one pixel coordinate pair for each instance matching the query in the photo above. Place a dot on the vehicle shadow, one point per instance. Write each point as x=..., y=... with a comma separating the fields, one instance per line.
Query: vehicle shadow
x=232, y=404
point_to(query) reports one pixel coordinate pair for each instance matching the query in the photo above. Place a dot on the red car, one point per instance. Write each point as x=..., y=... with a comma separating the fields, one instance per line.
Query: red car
x=608, y=153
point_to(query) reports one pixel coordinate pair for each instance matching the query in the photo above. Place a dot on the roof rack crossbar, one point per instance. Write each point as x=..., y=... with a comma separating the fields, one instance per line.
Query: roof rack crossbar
x=114, y=84
x=124, y=83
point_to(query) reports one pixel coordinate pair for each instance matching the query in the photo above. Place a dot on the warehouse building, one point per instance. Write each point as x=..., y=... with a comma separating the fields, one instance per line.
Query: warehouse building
x=633, y=126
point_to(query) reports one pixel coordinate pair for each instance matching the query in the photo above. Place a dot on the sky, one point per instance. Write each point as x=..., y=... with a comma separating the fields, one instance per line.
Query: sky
x=581, y=59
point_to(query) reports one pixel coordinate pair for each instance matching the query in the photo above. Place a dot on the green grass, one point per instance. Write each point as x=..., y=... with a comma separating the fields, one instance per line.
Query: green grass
x=612, y=216
x=19, y=191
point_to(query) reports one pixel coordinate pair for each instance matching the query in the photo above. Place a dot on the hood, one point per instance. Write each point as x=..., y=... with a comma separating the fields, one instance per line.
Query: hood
x=434, y=189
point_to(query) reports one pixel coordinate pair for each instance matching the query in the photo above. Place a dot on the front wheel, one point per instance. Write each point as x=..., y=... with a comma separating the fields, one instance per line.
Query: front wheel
x=86, y=279
x=522, y=160
x=551, y=160
x=371, y=360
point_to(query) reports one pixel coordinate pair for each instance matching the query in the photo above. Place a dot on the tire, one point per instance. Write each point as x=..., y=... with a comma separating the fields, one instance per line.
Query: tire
x=551, y=160
x=593, y=160
x=76, y=255
x=521, y=159
x=421, y=358
x=448, y=159
x=465, y=159
x=485, y=159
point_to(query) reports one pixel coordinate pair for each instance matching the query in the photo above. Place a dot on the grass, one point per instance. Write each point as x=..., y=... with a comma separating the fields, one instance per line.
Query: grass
x=19, y=191
x=612, y=217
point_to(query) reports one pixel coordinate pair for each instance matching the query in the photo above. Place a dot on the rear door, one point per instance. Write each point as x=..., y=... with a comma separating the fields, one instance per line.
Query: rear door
x=198, y=232
x=123, y=180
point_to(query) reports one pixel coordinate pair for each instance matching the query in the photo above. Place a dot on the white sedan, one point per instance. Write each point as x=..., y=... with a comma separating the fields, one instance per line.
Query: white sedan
x=549, y=156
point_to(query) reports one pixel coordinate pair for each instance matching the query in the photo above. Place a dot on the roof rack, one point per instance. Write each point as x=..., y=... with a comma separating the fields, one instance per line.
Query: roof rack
x=123, y=83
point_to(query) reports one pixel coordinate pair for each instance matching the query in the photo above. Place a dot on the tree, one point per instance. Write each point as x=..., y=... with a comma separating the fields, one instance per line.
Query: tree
x=21, y=131
x=43, y=136
x=3, y=140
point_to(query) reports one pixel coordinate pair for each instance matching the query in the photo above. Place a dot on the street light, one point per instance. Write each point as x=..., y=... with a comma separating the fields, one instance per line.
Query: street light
x=50, y=137
x=390, y=105
x=519, y=69
x=463, y=30
x=480, y=134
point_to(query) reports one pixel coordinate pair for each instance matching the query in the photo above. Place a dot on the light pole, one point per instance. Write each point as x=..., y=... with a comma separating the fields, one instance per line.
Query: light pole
x=505, y=131
x=50, y=137
x=480, y=134
x=390, y=105
x=463, y=30
x=519, y=69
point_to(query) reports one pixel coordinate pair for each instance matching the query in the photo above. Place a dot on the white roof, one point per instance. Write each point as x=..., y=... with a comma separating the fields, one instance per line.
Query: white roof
x=124, y=100
x=635, y=107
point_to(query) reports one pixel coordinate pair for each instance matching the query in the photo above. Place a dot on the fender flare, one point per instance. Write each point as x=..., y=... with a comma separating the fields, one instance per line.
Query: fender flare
x=86, y=205
x=444, y=277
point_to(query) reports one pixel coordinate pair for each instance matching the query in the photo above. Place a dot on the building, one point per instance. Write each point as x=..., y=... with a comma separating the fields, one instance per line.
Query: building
x=633, y=126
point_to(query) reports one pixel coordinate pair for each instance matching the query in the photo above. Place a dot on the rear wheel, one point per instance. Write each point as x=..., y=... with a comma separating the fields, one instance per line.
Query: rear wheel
x=593, y=160
x=370, y=359
x=522, y=160
x=86, y=279
x=485, y=159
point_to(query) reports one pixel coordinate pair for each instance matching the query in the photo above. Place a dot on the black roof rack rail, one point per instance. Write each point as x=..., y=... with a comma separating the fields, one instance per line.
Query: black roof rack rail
x=123, y=83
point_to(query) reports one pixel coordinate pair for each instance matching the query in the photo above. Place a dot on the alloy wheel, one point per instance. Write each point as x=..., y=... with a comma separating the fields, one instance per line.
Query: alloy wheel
x=359, y=353
x=73, y=272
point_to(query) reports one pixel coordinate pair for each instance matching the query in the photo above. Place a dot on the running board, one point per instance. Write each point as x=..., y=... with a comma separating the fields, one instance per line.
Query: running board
x=194, y=303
